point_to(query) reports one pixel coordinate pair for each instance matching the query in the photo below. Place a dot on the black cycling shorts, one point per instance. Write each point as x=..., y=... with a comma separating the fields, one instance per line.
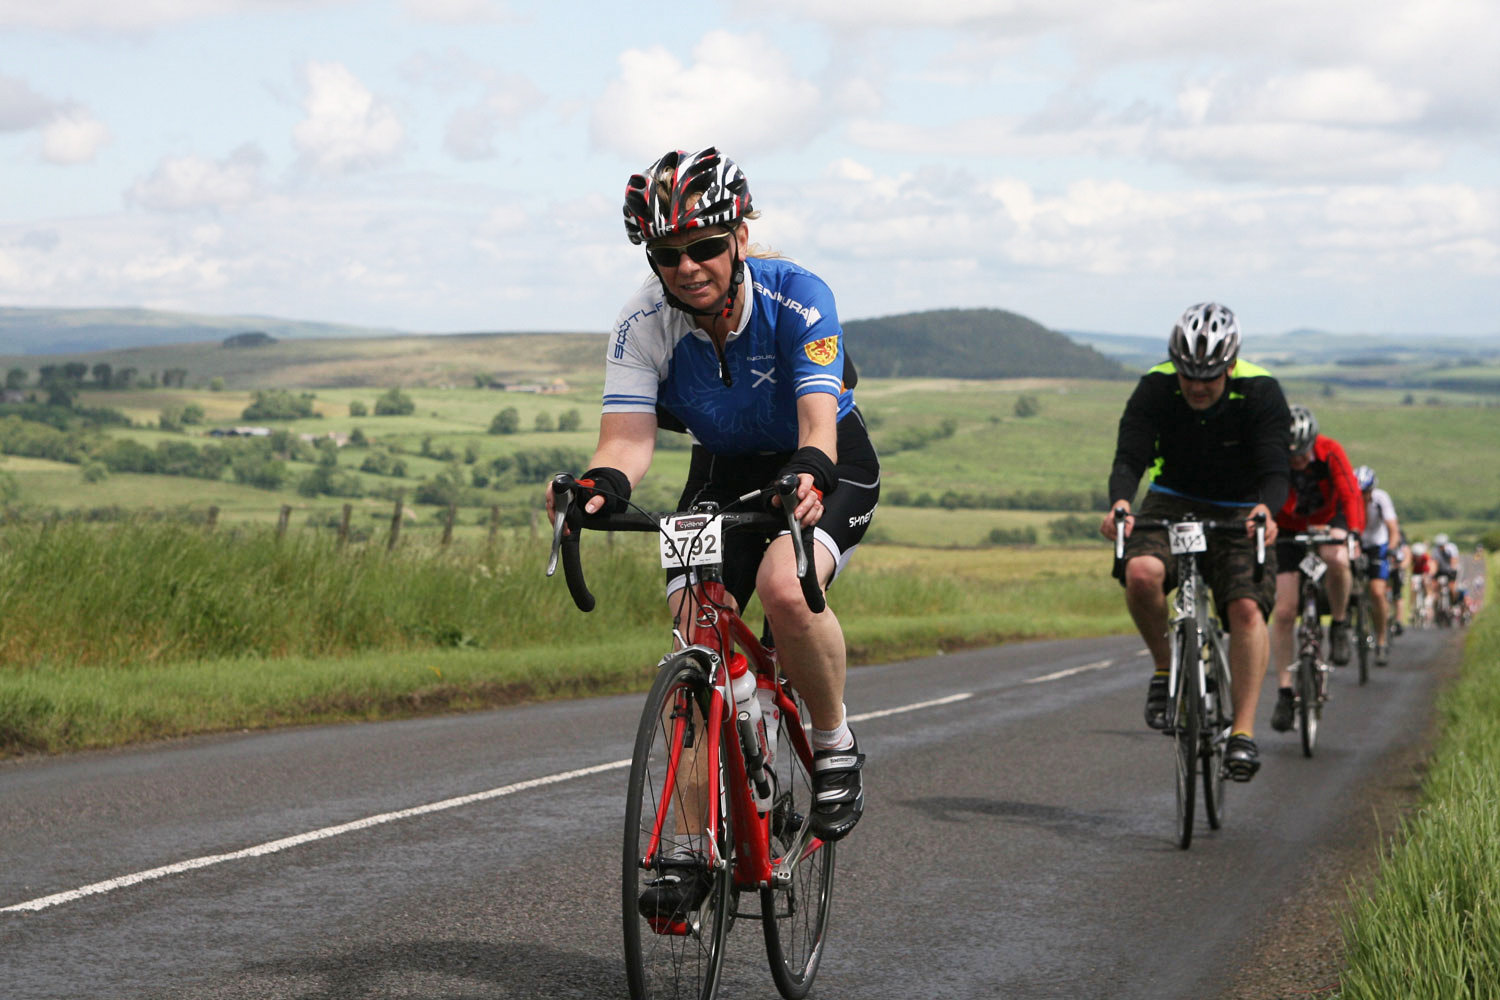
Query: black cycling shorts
x=847, y=510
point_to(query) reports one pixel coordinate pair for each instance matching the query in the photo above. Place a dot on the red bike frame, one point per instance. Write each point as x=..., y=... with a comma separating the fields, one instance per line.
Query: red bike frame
x=717, y=627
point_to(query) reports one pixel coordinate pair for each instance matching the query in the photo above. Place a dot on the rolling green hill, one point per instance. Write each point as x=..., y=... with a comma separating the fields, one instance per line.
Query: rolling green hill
x=970, y=343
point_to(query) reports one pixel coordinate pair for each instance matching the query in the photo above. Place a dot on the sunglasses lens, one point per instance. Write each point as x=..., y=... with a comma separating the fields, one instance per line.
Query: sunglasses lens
x=701, y=251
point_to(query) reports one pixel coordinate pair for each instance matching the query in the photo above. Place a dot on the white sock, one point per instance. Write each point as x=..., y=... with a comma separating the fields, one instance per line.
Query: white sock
x=834, y=739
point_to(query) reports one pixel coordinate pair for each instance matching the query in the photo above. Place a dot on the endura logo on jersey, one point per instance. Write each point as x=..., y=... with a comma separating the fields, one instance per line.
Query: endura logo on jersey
x=809, y=313
x=822, y=352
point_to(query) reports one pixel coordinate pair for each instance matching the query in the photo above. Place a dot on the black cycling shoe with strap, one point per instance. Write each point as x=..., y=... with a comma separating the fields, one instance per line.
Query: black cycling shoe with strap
x=838, y=791
x=1158, y=695
x=1285, y=710
x=670, y=898
x=1241, y=757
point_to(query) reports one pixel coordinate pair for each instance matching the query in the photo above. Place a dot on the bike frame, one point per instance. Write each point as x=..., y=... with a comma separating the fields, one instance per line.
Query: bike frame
x=713, y=633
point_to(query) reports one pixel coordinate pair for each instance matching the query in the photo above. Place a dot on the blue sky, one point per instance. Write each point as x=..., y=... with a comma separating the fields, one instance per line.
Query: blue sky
x=457, y=165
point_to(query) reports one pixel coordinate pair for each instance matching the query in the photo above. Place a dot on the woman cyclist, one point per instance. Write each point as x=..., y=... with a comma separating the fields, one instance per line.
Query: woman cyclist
x=746, y=354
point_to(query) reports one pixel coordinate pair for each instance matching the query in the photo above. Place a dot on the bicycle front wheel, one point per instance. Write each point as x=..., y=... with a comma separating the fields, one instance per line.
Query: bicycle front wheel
x=1219, y=718
x=674, y=949
x=1185, y=732
x=795, y=913
x=1308, y=708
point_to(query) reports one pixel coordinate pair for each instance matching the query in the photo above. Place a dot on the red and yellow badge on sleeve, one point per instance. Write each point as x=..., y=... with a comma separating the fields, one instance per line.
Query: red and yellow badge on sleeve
x=823, y=351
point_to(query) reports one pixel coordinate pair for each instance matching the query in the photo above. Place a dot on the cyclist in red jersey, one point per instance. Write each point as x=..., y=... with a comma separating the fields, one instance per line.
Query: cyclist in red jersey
x=1325, y=496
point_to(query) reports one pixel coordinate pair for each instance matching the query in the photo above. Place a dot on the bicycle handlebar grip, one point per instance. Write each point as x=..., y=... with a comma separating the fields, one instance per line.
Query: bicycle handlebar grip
x=807, y=568
x=811, y=592
x=573, y=569
x=1120, y=515
x=1260, y=547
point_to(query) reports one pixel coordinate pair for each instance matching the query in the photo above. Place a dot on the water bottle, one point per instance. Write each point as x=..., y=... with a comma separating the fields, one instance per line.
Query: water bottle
x=751, y=728
x=770, y=718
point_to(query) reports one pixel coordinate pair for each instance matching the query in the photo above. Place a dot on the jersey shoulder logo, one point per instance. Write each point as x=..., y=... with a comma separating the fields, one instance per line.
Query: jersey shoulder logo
x=823, y=351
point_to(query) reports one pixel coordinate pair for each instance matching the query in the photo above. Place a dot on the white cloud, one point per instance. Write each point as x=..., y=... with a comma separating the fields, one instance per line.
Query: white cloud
x=472, y=131
x=739, y=93
x=346, y=128
x=73, y=136
x=92, y=16
x=1350, y=95
x=188, y=183
x=461, y=11
x=22, y=108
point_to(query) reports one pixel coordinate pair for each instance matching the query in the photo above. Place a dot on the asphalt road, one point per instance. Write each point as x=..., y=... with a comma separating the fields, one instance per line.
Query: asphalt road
x=1017, y=843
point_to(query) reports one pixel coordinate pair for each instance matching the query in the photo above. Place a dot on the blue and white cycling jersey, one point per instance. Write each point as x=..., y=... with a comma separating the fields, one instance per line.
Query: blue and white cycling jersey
x=788, y=344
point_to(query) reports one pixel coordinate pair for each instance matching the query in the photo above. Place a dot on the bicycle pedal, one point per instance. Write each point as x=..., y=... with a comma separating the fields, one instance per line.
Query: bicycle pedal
x=669, y=926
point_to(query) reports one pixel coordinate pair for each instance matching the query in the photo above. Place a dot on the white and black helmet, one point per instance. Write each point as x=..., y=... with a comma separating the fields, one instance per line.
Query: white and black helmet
x=1205, y=341
x=1304, y=430
x=683, y=191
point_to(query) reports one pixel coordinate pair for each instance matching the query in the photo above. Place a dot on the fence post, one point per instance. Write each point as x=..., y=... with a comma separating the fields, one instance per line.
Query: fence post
x=494, y=522
x=395, y=523
x=281, y=522
x=344, y=524
x=448, y=525
x=213, y=516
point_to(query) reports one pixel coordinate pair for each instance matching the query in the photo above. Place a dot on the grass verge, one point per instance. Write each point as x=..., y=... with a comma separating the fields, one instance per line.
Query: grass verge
x=146, y=630
x=1430, y=926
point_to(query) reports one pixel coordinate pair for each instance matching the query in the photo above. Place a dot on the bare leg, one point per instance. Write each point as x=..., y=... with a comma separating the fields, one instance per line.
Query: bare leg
x=1147, y=603
x=809, y=647
x=1248, y=646
x=1283, y=623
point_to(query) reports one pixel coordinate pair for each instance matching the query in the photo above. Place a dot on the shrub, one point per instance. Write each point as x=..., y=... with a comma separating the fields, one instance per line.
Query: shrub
x=278, y=404
x=507, y=421
x=357, y=408
x=394, y=403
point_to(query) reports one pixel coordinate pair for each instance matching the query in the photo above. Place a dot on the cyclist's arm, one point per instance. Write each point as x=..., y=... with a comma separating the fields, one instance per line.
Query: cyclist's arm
x=817, y=427
x=626, y=442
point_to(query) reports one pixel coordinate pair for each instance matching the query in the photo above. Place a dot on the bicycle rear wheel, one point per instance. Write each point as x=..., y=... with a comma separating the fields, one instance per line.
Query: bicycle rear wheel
x=1185, y=732
x=1219, y=718
x=679, y=955
x=795, y=915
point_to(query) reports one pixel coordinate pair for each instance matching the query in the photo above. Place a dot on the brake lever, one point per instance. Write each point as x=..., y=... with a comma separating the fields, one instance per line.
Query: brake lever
x=565, y=483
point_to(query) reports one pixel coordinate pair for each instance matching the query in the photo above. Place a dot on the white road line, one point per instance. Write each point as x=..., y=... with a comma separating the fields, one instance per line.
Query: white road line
x=911, y=708
x=1102, y=664
x=274, y=846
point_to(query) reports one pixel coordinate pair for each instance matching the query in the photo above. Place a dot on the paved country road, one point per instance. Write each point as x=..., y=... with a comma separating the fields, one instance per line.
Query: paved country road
x=1017, y=843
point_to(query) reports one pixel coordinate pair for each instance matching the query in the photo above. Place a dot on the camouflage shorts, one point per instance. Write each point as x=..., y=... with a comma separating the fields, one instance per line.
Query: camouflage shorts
x=1229, y=564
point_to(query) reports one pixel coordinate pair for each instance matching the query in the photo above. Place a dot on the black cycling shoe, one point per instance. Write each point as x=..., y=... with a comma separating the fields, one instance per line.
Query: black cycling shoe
x=1286, y=707
x=1241, y=757
x=838, y=791
x=670, y=898
x=1158, y=695
x=1338, y=635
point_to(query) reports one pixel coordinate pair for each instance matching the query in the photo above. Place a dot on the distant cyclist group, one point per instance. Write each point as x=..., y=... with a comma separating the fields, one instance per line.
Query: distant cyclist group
x=742, y=350
x=1220, y=441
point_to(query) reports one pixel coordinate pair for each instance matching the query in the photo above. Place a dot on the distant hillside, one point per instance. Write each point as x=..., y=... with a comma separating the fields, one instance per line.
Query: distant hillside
x=82, y=331
x=970, y=343
x=1305, y=347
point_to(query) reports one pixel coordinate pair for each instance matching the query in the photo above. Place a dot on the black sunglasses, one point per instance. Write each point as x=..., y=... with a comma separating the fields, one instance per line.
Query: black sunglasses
x=702, y=251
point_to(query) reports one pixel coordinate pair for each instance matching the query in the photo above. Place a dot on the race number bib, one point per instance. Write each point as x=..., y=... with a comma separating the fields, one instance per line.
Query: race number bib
x=1187, y=536
x=691, y=540
x=1312, y=567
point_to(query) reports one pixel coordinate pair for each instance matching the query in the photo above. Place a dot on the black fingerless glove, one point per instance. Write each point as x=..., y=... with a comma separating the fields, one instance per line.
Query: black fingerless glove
x=815, y=463
x=611, y=484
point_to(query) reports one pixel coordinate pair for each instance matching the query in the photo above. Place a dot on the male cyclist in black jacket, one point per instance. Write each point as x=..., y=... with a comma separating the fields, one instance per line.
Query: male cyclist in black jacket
x=1213, y=431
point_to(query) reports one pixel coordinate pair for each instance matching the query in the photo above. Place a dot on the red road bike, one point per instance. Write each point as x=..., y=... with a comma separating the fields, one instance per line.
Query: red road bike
x=714, y=796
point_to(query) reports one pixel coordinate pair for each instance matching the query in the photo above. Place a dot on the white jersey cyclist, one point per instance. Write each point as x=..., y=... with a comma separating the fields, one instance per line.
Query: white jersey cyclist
x=788, y=344
x=1378, y=511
